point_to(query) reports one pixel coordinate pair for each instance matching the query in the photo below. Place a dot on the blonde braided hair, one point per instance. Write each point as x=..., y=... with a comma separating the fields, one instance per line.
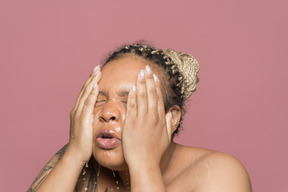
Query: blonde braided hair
x=188, y=67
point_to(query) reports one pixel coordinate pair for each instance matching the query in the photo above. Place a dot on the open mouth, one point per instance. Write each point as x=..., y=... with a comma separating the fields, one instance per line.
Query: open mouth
x=107, y=136
x=107, y=140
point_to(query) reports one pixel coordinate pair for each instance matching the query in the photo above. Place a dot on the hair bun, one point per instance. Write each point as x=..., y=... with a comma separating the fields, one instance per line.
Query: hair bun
x=188, y=68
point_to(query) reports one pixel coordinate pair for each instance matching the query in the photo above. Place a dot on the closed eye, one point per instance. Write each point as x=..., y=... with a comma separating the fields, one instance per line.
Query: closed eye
x=100, y=102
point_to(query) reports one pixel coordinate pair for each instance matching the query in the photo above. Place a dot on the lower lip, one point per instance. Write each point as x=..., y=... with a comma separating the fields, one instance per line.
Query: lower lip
x=108, y=143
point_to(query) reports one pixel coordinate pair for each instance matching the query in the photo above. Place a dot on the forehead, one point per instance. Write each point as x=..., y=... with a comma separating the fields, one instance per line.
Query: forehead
x=121, y=73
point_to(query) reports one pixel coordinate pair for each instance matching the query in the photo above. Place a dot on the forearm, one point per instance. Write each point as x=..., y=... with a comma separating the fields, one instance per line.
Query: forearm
x=147, y=179
x=63, y=176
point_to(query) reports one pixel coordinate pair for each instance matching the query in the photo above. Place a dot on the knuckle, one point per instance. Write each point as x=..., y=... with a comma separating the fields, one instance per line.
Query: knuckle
x=149, y=76
x=93, y=93
x=151, y=89
x=142, y=81
x=141, y=93
x=76, y=117
x=87, y=102
x=131, y=105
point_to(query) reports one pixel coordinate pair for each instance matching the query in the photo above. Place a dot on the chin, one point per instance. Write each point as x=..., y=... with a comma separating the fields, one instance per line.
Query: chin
x=111, y=159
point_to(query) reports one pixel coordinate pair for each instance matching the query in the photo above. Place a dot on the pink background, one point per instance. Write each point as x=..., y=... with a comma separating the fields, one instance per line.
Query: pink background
x=48, y=48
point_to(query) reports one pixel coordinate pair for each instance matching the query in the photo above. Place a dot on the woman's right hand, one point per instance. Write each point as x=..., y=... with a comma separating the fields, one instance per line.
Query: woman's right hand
x=62, y=172
x=81, y=119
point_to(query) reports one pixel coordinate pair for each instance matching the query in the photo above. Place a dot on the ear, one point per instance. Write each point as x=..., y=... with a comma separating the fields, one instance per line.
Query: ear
x=176, y=115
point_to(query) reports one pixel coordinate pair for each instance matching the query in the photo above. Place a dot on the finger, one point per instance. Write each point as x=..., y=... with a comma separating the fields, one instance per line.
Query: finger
x=151, y=91
x=141, y=94
x=169, y=124
x=131, y=103
x=87, y=92
x=90, y=102
x=95, y=71
x=160, y=102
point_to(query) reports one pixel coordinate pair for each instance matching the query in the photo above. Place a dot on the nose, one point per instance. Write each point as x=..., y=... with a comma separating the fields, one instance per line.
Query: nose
x=110, y=112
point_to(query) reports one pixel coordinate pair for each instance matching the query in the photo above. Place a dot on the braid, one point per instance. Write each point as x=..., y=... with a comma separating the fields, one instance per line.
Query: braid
x=175, y=87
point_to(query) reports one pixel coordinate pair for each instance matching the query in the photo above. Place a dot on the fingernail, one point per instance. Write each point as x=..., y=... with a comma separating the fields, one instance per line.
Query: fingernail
x=95, y=85
x=96, y=69
x=133, y=90
x=155, y=78
x=142, y=74
x=148, y=69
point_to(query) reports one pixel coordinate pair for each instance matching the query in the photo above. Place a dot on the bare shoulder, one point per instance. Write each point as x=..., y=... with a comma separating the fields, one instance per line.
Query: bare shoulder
x=224, y=172
x=214, y=171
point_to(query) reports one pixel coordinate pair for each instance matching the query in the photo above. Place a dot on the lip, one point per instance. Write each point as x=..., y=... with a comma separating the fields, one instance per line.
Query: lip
x=107, y=139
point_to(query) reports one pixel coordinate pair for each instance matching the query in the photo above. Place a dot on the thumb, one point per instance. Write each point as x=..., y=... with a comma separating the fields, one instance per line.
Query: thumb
x=168, y=117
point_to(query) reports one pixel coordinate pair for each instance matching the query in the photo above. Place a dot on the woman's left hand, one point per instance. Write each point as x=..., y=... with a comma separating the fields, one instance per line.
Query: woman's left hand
x=147, y=129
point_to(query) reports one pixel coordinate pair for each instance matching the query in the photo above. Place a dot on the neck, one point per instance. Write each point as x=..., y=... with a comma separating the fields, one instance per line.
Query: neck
x=167, y=156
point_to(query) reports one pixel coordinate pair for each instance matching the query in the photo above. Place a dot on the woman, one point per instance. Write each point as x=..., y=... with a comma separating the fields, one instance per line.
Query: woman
x=122, y=128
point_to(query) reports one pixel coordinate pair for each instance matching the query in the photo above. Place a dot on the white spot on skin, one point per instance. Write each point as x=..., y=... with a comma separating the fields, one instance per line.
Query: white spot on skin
x=117, y=129
x=123, y=117
x=208, y=167
x=108, y=155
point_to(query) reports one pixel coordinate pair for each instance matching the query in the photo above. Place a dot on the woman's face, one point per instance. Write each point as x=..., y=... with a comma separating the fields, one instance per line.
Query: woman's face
x=118, y=77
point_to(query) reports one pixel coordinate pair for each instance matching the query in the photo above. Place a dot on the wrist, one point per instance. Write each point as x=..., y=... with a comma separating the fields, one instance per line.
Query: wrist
x=144, y=167
x=73, y=155
x=146, y=178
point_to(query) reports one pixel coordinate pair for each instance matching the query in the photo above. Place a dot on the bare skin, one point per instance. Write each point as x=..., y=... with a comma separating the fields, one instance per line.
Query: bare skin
x=147, y=158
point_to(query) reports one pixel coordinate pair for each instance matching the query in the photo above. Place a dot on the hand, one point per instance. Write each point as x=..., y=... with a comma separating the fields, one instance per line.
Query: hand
x=81, y=119
x=147, y=129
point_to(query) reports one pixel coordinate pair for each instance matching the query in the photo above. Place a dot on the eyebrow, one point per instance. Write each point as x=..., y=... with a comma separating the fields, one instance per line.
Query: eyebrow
x=123, y=93
x=120, y=93
x=103, y=93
